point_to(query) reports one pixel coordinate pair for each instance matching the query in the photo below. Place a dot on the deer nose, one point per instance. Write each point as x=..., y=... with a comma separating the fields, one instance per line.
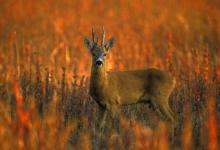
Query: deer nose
x=99, y=62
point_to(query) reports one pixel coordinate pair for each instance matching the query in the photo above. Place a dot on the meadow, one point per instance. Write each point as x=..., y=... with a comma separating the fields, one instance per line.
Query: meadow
x=45, y=70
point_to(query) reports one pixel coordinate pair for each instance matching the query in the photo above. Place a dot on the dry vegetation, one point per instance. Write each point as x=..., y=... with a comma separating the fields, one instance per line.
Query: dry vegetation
x=44, y=72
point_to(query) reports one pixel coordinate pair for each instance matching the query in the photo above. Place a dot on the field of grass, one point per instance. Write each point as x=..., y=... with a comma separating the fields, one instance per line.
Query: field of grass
x=45, y=70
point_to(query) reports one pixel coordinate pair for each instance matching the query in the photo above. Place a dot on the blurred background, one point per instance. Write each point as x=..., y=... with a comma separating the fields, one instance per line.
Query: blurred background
x=43, y=55
x=144, y=30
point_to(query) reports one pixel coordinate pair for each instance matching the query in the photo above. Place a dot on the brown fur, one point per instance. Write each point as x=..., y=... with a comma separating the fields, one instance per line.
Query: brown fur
x=129, y=87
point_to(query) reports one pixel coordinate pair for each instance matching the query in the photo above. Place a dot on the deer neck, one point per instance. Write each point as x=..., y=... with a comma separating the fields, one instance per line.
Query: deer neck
x=99, y=78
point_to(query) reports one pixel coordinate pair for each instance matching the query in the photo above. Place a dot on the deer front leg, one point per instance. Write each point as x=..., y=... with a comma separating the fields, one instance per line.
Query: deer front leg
x=103, y=120
x=115, y=110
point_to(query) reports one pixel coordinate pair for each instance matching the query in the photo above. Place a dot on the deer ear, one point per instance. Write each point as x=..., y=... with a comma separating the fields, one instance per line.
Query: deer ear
x=87, y=43
x=110, y=43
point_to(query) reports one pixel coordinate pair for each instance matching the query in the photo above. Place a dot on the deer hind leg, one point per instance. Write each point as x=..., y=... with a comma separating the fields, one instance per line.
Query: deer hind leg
x=163, y=109
x=146, y=99
x=169, y=114
x=170, y=111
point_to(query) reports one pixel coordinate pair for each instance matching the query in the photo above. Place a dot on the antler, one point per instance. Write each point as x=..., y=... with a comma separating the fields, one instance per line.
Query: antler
x=94, y=37
x=103, y=37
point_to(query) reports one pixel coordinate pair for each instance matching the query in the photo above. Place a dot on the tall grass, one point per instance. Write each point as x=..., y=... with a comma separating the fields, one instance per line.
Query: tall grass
x=45, y=69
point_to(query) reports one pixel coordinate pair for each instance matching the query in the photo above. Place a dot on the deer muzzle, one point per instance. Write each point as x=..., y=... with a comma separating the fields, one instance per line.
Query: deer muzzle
x=99, y=62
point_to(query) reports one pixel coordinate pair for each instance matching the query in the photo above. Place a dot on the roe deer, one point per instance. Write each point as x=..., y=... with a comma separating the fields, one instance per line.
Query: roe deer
x=113, y=89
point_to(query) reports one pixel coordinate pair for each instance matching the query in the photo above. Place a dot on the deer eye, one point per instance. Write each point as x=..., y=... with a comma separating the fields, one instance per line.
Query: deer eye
x=104, y=55
x=93, y=54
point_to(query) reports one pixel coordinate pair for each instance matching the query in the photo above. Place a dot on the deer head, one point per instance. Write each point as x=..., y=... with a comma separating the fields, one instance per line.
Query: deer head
x=97, y=51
